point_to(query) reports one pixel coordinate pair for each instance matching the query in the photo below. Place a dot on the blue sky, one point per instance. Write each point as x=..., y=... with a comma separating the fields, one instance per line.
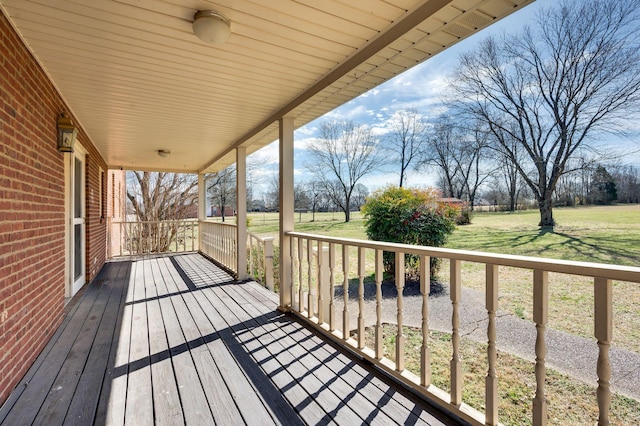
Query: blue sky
x=419, y=88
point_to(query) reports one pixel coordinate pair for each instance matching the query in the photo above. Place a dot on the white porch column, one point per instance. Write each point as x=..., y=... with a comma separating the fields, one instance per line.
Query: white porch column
x=202, y=206
x=286, y=206
x=241, y=211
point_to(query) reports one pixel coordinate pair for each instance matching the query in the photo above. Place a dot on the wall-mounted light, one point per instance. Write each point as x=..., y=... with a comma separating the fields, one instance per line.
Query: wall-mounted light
x=211, y=27
x=163, y=153
x=67, y=133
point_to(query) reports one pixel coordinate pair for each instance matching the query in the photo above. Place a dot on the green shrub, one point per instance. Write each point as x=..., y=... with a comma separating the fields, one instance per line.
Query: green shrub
x=409, y=216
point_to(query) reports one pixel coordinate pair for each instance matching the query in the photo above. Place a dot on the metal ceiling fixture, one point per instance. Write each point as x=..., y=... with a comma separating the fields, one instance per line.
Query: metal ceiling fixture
x=211, y=27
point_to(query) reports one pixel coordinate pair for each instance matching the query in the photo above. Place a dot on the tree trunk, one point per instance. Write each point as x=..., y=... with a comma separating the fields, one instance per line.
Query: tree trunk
x=512, y=201
x=546, y=211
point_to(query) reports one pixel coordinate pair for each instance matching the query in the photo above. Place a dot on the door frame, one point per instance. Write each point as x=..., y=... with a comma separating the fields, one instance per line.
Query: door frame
x=72, y=285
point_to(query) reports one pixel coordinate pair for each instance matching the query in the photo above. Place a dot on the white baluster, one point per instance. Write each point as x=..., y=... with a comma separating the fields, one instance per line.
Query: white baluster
x=345, y=291
x=294, y=266
x=603, y=293
x=540, y=317
x=300, y=280
x=310, y=294
x=319, y=284
x=379, y=276
x=491, y=381
x=361, y=297
x=425, y=286
x=456, y=368
x=400, y=333
x=332, y=307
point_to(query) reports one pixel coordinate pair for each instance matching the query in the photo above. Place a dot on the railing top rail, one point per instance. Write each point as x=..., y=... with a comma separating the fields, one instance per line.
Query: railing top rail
x=616, y=272
x=214, y=222
x=154, y=221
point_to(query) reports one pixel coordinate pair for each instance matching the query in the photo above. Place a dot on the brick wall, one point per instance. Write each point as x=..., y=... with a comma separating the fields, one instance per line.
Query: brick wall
x=32, y=210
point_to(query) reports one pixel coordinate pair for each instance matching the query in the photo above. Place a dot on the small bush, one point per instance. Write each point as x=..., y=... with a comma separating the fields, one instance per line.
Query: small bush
x=464, y=217
x=409, y=216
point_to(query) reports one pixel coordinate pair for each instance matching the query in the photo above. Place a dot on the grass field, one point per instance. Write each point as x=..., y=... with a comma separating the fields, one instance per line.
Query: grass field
x=596, y=234
x=607, y=234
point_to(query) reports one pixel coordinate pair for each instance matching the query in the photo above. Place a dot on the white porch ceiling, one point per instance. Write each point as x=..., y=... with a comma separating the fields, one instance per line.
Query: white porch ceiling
x=138, y=80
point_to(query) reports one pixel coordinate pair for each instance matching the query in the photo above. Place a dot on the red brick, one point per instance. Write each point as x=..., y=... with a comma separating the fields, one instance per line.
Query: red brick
x=32, y=206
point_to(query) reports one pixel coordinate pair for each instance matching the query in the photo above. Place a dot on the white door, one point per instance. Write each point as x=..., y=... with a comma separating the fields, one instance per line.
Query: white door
x=77, y=221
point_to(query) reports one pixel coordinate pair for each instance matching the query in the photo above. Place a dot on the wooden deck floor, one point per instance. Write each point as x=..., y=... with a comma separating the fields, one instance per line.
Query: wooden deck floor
x=172, y=340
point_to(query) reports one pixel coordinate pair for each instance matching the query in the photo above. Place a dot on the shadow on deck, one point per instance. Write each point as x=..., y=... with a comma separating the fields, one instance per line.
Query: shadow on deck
x=174, y=340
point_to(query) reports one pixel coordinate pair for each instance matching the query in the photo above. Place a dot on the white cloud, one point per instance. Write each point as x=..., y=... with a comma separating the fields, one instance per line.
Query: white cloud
x=303, y=144
x=307, y=130
x=265, y=155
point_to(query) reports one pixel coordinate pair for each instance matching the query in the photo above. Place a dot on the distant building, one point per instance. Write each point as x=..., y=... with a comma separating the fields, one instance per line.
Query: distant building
x=258, y=206
x=452, y=201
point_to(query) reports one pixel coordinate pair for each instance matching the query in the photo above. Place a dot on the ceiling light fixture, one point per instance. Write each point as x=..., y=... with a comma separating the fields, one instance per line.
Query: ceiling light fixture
x=211, y=27
x=163, y=153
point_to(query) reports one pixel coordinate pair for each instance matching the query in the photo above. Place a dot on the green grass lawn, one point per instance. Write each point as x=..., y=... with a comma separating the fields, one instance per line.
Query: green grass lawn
x=607, y=234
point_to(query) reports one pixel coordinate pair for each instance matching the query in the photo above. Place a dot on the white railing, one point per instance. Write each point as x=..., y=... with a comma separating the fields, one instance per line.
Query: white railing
x=150, y=237
x=260, y=259
x=218, y=241
x=314, y=279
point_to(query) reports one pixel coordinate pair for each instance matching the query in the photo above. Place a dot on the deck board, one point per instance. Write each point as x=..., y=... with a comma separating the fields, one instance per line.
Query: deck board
x=184, y=339
x=174, y=340
x=166, y=398
x=85, y=398
x=38, y=390
x=139, y=402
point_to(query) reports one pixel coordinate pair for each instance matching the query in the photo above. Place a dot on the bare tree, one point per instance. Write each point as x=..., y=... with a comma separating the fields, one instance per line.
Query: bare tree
x=300, y=199
x=440, y=154
x=315, y=193
x=507, y=162
x=360, y=194
x=221, y=189
x=470, y=159
x=273, y=192
x=554, y=88
x=407, y=139
x=343, y=155
x=157, y=199
x=459, y=153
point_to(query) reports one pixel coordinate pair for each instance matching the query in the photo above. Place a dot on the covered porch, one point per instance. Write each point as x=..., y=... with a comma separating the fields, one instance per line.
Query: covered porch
x=174, y=339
